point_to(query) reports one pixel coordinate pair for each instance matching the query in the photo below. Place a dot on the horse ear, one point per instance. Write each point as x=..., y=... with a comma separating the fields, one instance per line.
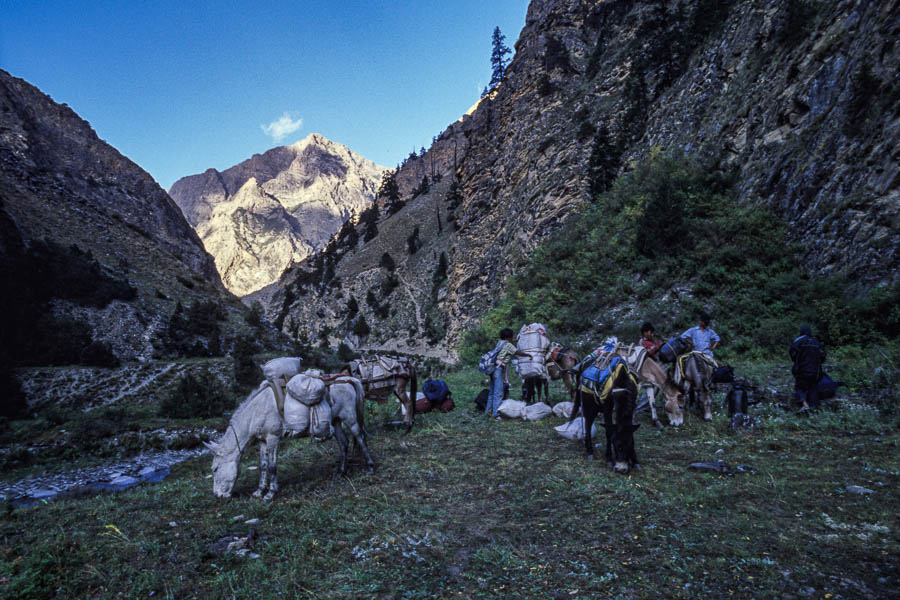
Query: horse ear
x=212, y=446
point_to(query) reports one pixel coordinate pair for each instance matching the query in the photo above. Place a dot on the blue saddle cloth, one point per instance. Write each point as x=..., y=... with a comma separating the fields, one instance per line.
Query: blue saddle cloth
x=598, y=375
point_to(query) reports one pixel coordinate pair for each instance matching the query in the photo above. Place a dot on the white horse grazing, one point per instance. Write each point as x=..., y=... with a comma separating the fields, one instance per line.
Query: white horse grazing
x=258, y=418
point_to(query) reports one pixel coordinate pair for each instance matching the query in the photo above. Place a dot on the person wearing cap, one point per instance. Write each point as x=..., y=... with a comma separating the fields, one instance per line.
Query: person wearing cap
x=703, y=337
x=807, y=354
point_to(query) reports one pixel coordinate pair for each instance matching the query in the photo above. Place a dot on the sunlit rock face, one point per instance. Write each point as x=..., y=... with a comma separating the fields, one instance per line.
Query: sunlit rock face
x=266, y=213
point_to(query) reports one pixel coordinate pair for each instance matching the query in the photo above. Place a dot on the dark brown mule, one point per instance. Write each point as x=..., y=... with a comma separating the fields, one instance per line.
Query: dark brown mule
x=380, y=387
x=617, y=401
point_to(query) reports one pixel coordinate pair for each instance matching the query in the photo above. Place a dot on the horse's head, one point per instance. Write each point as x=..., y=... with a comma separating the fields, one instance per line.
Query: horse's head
x=224, y=469
x=621, y=443
x=674, y=408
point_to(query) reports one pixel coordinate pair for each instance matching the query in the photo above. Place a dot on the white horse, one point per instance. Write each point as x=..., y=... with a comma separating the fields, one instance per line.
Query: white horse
x=258, y=418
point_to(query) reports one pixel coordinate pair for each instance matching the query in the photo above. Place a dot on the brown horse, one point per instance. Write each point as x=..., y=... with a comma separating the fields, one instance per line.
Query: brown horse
x=560, y=362
x=652, y=375
x=389, y=376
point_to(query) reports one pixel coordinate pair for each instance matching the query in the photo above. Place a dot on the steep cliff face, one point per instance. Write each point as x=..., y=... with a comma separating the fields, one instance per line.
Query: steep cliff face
x=60, y=182
x=275, y=209
x=800, y=98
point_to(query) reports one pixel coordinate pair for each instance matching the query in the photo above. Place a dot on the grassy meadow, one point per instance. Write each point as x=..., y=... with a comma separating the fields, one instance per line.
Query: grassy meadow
x=469, y=507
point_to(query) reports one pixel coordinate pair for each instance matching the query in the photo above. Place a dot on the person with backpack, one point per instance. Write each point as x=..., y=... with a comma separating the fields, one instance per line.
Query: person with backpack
x=502, y=353
x=702, y=336
x=808, y=355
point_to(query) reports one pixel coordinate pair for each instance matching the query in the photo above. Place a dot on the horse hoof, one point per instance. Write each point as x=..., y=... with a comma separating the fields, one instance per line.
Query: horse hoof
x=257, y=494
x=707, y=418
x=371, y=469
x=658, y=424
x=589, y=456
x=269, y=496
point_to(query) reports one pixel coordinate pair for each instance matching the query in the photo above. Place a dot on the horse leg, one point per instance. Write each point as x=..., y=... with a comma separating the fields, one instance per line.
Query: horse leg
x=651, y=399
x=546, y=385
x=359, y=435
x=410, y=405
x=272, y=464
x=341, y=439
x=706, y=397
x=590, y=411
x=263, y=470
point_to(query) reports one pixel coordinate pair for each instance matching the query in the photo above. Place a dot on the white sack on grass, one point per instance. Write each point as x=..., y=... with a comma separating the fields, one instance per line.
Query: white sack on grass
x=536, y=411
x=286, y=367
x=574, y=430
x=305, y=389
x=563, y=409
x=511, y=409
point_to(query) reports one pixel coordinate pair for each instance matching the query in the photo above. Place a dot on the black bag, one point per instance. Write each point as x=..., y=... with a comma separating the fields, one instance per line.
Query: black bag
x=724, y=374
x=827, y=387
x=481, y=400
x=737, y=400
x=436, y=390
x=674, y=348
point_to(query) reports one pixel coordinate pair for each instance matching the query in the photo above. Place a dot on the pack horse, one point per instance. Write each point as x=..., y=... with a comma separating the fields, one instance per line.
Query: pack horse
x=302, y=406
x=385, y=375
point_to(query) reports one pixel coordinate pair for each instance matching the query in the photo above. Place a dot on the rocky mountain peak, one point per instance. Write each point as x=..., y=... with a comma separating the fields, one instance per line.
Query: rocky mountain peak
x=260, y=216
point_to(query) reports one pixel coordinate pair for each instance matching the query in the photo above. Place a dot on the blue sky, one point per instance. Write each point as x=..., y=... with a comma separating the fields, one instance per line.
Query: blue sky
x=179, y=87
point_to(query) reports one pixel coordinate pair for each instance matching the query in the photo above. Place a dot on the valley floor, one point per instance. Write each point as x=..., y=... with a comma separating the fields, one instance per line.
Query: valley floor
x=469, y=507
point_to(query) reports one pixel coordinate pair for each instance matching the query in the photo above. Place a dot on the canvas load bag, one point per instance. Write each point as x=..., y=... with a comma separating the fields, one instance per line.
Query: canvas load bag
x=536, y=411
x=511, y=409
x=302, y=420
x=574, y=430
x=305, y=389
x=284, y=367
x=379, y=372
x=674, y=348
x=533, y=341
x=563, y=409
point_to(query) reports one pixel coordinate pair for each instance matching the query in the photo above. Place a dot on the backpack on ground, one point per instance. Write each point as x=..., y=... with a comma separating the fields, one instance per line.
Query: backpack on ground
x=488, y=362
x=481, y=400
x=436, y=390
x=827, y=387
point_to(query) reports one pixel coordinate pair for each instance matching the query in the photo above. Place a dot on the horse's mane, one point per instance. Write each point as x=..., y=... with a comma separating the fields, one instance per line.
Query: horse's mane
x=244, y=406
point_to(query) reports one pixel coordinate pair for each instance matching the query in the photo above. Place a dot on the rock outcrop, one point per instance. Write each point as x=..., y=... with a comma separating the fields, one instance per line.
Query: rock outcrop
x=275, y=209
x=61, y=183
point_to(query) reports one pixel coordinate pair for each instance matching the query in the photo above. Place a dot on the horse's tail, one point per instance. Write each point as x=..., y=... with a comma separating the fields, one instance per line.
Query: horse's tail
x=360, y=406
x=576, y=405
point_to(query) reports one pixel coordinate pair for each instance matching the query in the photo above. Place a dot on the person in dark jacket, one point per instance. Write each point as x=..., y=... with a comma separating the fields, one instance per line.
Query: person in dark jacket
x=808, y=355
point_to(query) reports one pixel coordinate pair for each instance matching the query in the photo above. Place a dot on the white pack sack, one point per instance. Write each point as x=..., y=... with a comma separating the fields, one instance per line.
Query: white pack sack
x=511, y=409
x=286, y=367
x=306, y=389
x=563, y=409
x=296, y=418
x=536, y=411
x=574, y=430
x=320, y=426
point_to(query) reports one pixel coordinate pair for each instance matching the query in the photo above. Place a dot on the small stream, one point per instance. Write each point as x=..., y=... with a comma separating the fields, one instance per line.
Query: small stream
x=118, y=476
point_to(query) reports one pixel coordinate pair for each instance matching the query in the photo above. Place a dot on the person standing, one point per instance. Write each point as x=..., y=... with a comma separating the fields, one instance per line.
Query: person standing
x=807, y=354
x=506, y=350
x=703, y=337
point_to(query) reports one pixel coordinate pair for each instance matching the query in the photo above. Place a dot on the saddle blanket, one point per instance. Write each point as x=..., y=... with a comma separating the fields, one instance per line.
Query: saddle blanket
x=682, y=360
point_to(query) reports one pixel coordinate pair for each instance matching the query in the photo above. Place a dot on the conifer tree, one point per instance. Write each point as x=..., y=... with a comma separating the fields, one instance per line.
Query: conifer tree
x=499, y=62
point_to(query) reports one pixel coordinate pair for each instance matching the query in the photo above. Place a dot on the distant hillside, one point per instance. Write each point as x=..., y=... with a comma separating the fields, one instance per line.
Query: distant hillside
x=798, y=98
x=275, y=209
x=91, y=248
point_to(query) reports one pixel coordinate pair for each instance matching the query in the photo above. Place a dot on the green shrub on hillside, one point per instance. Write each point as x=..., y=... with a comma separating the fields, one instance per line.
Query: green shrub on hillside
x=667, y=241
x=196, y=396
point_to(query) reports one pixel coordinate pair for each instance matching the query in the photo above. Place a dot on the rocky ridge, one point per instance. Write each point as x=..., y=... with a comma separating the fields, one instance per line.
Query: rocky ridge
x=60, y=182
x=800, y=100
x=275, y=209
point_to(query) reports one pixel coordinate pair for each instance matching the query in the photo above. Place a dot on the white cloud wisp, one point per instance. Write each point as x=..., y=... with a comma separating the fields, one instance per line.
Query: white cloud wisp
x=281, y=127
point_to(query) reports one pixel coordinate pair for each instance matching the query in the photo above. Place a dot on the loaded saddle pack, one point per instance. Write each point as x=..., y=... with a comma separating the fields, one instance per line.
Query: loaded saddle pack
x=380, y=372
x=597, y=368
x=302, y=398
